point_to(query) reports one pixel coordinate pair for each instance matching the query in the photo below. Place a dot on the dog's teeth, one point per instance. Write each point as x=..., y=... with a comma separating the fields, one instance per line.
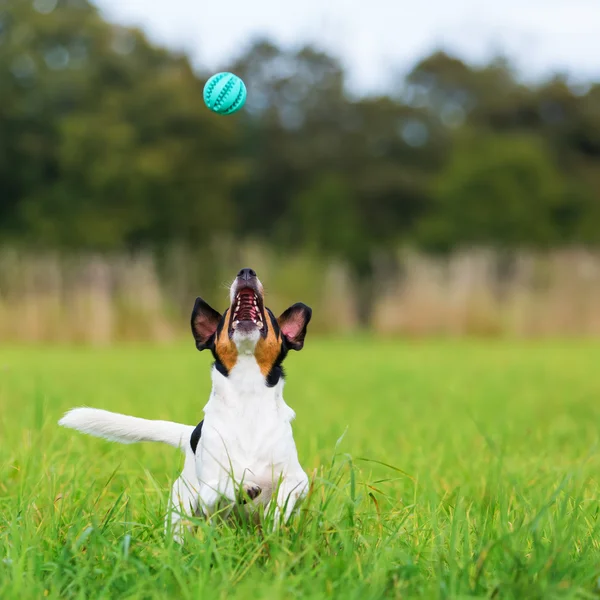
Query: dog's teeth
x=259, y=323
x=235, y=324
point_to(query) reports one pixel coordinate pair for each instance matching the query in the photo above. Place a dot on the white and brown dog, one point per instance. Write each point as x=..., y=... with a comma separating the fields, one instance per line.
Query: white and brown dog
x=243, y=452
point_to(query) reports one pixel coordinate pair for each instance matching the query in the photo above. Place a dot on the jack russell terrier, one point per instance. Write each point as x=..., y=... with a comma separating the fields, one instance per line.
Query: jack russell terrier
x=243, y=453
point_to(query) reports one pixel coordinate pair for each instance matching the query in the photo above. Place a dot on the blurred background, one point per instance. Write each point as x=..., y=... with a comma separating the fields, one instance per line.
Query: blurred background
x=409, y=170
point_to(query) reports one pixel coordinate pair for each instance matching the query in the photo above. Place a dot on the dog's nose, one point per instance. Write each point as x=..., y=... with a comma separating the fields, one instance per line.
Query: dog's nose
x=247, y=274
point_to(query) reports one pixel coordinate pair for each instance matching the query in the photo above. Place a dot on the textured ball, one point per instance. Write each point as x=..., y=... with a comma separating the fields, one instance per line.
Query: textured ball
x=225, y=93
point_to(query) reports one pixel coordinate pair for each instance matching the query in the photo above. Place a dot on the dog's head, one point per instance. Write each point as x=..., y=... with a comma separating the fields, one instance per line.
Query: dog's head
x=249, y=328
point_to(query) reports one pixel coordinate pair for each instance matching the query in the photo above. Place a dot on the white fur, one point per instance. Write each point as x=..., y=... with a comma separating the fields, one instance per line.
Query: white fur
x=124, y=429
x=246, y=441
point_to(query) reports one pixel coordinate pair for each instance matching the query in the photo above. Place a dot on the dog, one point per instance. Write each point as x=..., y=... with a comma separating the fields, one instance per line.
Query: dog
x=242, y=454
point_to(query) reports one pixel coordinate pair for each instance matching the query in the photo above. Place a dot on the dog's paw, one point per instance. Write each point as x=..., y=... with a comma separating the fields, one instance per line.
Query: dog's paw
x=251, y=493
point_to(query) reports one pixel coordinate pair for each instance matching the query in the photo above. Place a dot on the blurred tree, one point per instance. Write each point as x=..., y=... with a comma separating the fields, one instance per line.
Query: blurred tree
x=105, y=141
x=501, y=190
x=295, y=102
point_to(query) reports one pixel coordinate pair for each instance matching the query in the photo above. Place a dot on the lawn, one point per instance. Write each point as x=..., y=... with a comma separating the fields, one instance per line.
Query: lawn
x=441, y=470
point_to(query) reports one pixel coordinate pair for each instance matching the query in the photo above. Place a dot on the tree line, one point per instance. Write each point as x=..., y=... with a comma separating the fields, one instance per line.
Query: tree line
x=105, y=144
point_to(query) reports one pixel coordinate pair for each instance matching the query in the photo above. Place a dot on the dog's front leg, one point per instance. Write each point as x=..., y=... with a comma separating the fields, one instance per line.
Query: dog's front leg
x=210, y=495
x=291, y=490
x=184, y=499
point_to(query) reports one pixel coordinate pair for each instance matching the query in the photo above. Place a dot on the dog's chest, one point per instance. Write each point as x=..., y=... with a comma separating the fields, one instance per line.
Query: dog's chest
x=251, y=443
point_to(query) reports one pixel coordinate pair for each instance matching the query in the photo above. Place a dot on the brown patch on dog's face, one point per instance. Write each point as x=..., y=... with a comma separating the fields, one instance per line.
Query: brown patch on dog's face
x=283, y=334
x=225, y=350
x=269, y=348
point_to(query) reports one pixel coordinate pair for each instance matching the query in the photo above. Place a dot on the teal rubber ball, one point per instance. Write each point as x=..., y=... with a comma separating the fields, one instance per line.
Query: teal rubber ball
x=225, y=93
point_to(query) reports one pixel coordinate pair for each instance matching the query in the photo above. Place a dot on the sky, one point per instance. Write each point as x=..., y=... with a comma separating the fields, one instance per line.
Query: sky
x=377, y=39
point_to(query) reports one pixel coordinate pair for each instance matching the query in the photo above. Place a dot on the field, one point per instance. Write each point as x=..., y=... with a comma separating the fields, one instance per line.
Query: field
x=441, y=470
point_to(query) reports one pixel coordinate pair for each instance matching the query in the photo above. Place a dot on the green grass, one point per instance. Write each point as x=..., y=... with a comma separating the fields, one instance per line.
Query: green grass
x=491, y=489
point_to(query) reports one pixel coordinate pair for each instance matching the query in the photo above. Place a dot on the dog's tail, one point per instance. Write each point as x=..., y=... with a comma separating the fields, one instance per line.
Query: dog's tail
x=126, y=430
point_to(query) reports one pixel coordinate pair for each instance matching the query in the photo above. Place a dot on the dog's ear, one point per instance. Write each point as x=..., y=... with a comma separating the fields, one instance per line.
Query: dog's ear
x=293, y=323
x=205, y=321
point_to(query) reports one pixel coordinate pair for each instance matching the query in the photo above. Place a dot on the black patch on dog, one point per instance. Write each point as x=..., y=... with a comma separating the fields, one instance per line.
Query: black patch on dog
x=275, y=324
x=218, y=364
x=221, y=367
x=195, y=437
x=277, y=372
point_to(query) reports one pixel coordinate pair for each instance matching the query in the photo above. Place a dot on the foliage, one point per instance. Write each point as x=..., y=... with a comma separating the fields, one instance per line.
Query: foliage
x=105, y=144
x=104, y=141
x=496, y=189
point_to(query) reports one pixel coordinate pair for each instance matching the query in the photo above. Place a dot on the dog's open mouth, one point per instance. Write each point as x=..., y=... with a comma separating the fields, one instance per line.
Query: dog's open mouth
x=247, y=312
